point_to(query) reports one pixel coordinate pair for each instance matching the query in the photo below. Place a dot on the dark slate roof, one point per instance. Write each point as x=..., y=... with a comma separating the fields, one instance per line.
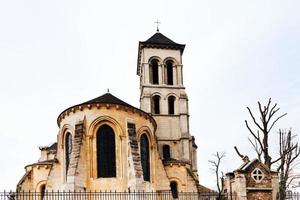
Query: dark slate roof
x=158, y=40
x=104, y=99
x=108, y=98
x=245, y=166
x=53, y=146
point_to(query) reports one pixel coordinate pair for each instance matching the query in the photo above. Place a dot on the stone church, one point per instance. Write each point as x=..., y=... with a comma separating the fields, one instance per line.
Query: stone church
x=108, y=144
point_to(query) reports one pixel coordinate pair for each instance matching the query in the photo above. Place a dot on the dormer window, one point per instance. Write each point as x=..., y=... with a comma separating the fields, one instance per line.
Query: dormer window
x=257, y=175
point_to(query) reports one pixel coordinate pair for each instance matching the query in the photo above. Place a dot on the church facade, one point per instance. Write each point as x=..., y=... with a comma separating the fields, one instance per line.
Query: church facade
x=106, y=144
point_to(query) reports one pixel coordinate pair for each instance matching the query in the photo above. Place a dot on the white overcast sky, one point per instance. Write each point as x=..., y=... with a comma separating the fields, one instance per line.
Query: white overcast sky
x=54, y=54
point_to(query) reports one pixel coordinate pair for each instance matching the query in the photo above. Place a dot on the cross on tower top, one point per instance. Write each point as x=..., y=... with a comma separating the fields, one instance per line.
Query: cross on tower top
x=157, y=23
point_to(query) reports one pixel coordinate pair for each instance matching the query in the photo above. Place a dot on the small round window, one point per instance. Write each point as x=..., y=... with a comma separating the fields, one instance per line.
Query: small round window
x=257, y=175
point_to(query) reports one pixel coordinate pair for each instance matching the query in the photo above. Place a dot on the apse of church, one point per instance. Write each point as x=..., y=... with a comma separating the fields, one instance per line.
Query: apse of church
x=107, y=144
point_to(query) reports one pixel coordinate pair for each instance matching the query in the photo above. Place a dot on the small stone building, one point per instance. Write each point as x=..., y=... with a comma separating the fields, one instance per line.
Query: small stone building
x=108, y=144
x=252, y=181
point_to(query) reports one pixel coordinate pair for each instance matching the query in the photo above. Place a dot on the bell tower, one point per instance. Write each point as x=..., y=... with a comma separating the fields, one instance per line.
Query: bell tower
x=162, y=94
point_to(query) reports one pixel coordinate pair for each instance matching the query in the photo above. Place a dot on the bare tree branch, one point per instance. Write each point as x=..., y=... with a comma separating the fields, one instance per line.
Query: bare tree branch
x=260, y=141
x=216, y=169
x=276, y=121
x=238, y=153
x=256, y=148
x=288, y=152
x=254, y=120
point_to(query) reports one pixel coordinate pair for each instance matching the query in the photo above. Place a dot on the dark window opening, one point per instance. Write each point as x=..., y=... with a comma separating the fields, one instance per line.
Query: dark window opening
x=145, y=157
x=166, y=152
x=43, y=190
x=171, y=101
x=106, y=152
x=174, y=189
x=68, y=149
x=154, y=72
x=169, y=73
x=156, y=104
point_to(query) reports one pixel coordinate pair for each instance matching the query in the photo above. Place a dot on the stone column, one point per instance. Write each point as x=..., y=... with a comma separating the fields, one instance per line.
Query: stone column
x=179, y=72
x=241, y=191
x=175, y=77
x=185, y=149
x=160, y=75
x=146, y=73
x=163, y=81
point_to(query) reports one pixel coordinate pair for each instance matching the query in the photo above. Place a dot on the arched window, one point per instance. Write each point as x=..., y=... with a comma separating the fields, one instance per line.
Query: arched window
x=106, y=152
x=166, y=152
x=145, y=156
x=174, y=189
x=156, y=104
x=42, y=191
x=68, y=149
x=169, y=66
x=171, y=101
x=154, y=72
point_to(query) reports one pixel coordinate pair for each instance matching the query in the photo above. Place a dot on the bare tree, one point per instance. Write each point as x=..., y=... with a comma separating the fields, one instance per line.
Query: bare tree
x=288, y=149
x=289, y=152
x=216, y=169
x=260, y=134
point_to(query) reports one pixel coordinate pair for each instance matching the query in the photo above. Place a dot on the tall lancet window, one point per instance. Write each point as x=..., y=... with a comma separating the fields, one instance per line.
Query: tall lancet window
x=166, y=152
x=154, y=72
x=171, y=101
x=43, y=191
x=106, y=152
x=155, y=105
x=145, y=156
x=169, y=66
x=174, y=189
x=68, y=149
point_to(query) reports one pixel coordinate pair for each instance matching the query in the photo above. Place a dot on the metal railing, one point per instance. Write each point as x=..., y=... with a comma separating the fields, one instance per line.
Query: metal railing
x=93, y=195
x=292, y=196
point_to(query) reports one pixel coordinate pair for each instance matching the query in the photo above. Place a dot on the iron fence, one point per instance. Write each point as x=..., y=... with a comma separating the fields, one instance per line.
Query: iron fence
x=292, y=196
x=93, y=195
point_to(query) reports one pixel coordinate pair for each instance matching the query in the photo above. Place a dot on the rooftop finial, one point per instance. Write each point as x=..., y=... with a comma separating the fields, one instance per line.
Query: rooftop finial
x=157, y=22
x=107, y=90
